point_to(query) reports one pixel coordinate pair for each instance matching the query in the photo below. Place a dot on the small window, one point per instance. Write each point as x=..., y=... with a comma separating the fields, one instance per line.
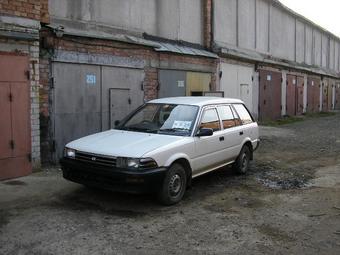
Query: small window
x=226, y=116
x=243, y=113
x=210, y=120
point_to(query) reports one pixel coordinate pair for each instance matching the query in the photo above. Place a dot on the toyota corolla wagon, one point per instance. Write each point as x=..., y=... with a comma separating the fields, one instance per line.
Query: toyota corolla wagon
x=163, y=145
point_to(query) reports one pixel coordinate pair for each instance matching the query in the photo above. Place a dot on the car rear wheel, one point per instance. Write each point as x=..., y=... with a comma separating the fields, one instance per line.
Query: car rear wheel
x=174, y=185
x=241, y=164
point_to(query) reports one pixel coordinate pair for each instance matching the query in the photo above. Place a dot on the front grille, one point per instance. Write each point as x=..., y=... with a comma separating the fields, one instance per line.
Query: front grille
x=96, y=159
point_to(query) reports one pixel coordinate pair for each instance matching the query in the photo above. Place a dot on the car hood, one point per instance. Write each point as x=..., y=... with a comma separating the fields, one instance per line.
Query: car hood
x=122, y=143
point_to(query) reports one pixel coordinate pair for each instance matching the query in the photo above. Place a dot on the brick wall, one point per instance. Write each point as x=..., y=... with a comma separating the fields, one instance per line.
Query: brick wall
x=32, y=9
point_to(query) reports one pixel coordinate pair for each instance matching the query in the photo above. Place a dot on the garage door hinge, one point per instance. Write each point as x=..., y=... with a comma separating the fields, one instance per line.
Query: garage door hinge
x=12, y=144
x=28, y=74
x=252, y=78
x=29, y=157
x=52, y=82
x=53, y=146
x=10, y=97
x=281, y=79
x=142, y=86
x=129, y=100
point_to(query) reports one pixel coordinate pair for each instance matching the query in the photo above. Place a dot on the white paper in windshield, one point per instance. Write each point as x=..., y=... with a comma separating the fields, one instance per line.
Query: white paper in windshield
x=182, y=124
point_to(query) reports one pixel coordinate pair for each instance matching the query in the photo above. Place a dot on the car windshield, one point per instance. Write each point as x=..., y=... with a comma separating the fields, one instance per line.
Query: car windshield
x=169, y=119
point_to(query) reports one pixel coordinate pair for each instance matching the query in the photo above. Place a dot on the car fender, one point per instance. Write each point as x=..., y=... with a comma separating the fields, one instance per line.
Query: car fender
x=175, y=157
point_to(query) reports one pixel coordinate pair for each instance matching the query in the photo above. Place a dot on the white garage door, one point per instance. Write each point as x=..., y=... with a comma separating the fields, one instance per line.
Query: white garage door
x=237, y=82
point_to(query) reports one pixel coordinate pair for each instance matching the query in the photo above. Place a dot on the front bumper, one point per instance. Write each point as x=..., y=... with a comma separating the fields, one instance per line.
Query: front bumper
x=111, y=178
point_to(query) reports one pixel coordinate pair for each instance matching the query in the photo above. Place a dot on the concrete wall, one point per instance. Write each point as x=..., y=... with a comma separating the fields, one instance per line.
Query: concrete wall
x=175, y=19
x=267, y=27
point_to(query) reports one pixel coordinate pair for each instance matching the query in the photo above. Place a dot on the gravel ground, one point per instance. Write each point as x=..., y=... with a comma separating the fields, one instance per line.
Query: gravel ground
x=288, y=203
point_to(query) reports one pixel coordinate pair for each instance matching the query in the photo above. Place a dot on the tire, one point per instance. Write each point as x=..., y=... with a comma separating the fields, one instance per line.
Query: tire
x=174, y=185
x=241, y=164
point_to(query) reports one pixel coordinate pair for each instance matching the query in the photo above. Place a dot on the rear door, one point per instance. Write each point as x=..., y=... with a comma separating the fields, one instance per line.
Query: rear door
x=208, y=150
x=232, y=132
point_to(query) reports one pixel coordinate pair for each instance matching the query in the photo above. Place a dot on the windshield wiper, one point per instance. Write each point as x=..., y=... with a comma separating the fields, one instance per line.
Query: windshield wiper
x=174, y=130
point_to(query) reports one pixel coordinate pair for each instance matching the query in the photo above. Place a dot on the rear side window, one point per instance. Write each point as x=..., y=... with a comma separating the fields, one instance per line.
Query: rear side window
x=243, y=114
x=226, y=116
x=210, y=120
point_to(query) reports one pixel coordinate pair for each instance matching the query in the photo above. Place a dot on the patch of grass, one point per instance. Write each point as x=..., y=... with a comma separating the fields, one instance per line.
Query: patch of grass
x=292, y=119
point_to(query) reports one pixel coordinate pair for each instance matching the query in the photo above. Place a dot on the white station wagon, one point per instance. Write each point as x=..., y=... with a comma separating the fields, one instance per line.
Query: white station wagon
x=163, y=144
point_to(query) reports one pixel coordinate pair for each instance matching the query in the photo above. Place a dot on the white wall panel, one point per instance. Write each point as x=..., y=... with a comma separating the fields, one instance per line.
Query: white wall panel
x=246, y=24
x=300, y=42
x=317, y=47
x=225, y=20
x=262, y=20
x=309, y=45
x=282, y=34
x=324, y=50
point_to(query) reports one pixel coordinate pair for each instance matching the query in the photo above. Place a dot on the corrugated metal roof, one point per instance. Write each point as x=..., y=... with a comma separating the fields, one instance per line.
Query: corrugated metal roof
x=158, y=46
x=231, y=51
x=168, y=47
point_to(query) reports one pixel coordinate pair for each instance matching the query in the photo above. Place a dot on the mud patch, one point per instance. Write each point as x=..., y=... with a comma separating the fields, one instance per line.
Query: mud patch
x=15, y=183
x=3, y=219
x=275, y=233
x=83, y=205
x=285, y=179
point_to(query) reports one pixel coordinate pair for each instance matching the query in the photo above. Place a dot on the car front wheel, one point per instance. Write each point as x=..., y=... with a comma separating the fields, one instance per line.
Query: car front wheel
x=241, y=164
x=174, y=185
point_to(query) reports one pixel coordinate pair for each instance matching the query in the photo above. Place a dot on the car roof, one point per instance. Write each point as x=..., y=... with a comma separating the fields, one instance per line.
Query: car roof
x=198, y=101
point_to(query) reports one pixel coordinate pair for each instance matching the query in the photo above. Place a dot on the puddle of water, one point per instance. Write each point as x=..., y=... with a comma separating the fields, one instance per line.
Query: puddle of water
x=15, y=183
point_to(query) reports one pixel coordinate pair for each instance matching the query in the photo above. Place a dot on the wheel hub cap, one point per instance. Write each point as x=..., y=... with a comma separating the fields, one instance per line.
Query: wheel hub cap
x=175, y=184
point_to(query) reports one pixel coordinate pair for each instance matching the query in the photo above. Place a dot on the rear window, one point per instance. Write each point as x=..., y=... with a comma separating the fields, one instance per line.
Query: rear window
x=243, y=114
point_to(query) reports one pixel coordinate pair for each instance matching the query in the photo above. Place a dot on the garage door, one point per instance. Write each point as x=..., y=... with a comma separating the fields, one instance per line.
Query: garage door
x=15, y=137
x=175, y=83
x=270, y=95
x=237, y=82
x=294, y=95
x=326, y=96
x=337, y=96
x=89, y=98
x=313, y=94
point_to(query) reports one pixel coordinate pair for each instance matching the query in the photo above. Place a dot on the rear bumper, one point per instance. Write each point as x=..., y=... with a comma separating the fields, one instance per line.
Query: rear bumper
x=115, y=179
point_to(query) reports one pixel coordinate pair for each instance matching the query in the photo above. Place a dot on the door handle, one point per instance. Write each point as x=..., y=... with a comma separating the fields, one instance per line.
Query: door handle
x=241, y=133
x=221, y=138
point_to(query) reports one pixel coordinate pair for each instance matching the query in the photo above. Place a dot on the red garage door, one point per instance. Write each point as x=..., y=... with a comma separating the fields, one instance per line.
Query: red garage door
x=270, y=95
x=294, y=95
x=313, y=95
x=337, y=96
x=15, y=138
x=326, y=97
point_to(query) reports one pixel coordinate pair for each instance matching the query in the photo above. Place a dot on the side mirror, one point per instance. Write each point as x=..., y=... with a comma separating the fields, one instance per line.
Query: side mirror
x=205, y=132
x=117, y=122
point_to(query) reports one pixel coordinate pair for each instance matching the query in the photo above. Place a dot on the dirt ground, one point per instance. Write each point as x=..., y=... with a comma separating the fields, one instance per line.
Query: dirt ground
x=288, y=203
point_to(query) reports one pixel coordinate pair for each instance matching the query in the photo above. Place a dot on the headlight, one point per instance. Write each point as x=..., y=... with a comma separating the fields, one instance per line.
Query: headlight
x=136, y=163
x=70, y=153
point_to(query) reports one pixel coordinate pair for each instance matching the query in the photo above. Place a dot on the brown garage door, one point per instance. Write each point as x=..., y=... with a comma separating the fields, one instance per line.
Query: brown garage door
x=294, y=95
x=15, y=138
x=299, y=96
x=313, y=95
x=326, y=93
x=337, y=96
x=270, y=95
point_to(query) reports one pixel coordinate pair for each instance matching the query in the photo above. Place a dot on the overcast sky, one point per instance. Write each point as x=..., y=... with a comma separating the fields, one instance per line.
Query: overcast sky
x=325, y=13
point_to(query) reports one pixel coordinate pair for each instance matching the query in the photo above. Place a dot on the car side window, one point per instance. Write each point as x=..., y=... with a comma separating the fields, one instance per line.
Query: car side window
x=227, y=116
x=210, y=120
x=243, y=114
